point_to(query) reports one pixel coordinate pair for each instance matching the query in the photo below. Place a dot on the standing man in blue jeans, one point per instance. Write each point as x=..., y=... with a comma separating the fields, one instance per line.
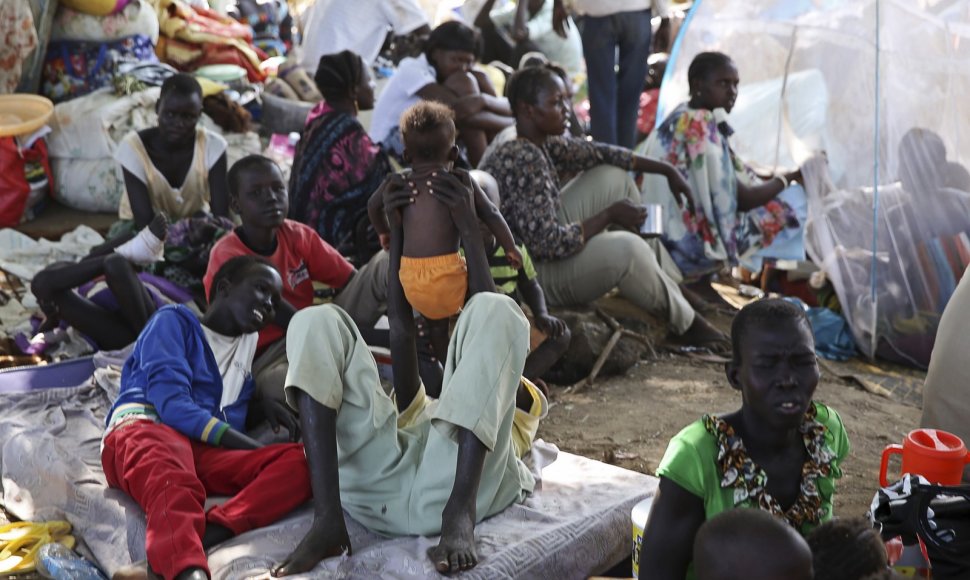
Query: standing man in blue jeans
x=614, y=32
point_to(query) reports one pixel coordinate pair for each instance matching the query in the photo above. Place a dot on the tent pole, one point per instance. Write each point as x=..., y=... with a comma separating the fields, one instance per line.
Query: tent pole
x=873, y=278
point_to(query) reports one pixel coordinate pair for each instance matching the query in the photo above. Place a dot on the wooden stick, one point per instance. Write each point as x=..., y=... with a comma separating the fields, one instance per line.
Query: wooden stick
x=618, y=332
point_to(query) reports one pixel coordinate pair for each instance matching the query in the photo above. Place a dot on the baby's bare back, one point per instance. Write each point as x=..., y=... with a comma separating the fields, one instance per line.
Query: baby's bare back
x=428, y=227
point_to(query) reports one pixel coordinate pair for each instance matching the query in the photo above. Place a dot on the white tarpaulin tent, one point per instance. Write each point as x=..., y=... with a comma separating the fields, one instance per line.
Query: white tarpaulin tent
x=882, y=87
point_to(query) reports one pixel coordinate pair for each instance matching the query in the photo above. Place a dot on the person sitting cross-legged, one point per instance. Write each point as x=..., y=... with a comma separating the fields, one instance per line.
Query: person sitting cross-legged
x=584, y=234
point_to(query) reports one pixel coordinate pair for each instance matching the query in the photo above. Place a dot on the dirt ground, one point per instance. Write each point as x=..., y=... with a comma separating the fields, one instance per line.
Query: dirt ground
x=627, y=420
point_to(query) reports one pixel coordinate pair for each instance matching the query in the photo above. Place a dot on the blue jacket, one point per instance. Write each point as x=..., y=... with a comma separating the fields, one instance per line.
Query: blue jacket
x=173, y=374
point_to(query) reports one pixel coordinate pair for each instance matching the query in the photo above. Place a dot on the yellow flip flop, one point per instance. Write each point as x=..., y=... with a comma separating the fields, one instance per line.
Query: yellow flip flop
x=20, y=542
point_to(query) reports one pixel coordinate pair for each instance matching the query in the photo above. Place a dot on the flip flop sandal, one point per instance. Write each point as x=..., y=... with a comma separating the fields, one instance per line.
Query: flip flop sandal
x=24, y=559
x=20, y=542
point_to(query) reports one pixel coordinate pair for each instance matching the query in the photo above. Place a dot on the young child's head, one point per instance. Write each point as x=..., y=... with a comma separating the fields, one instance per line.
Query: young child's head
x=750, y=544
x=344, y=76
x=848, y=549
x=257, y=192
x=179, y=107
x=246, y=291
x=428, y=131
x=452, y=47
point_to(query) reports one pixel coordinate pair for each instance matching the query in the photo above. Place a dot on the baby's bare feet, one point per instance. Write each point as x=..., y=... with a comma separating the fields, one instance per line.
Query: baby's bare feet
x=321, y=542
x=456, y=549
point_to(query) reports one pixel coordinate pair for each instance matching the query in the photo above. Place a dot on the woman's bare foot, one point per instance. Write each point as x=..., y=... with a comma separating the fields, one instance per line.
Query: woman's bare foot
x=324, y=540
x=702, y=333
x=707, y=298
x=695, y=300
x=456, y=548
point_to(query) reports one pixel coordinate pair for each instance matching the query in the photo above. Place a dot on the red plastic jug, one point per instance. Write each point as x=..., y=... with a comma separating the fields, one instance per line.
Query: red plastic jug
x=936, y=455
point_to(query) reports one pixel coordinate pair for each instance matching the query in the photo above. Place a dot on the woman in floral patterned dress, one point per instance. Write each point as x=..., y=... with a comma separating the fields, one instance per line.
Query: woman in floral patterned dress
x=780, y=452
x=733, y=214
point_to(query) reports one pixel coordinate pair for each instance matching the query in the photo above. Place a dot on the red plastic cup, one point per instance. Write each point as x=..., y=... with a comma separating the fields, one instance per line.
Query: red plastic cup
x=936, y=455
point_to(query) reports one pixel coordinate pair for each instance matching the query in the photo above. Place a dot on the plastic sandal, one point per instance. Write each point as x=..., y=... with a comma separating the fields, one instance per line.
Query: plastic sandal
x=21, y=541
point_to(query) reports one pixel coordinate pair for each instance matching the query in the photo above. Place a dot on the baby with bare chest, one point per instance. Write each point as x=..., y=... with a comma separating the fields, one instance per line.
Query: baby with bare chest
x=432, y=271
x=427, y=221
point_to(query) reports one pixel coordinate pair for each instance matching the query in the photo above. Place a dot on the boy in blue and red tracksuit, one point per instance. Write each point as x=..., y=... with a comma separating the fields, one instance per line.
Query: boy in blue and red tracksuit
x=175, y=433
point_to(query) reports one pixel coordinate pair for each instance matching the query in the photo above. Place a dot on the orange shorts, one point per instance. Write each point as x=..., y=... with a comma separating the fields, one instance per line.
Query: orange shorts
x=435, y=286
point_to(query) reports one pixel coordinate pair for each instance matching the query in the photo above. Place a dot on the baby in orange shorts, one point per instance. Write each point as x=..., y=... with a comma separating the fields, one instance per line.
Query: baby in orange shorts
x=432, y=272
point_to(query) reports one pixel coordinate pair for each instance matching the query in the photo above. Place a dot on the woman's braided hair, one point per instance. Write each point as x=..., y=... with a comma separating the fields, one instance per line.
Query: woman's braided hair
x=524, y=86
x=338, y=74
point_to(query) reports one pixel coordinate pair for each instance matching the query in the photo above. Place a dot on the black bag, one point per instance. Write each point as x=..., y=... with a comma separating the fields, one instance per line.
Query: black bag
x=939, y=515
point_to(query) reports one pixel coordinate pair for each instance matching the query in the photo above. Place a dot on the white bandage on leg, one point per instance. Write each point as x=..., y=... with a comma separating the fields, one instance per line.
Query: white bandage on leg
x=143, y=249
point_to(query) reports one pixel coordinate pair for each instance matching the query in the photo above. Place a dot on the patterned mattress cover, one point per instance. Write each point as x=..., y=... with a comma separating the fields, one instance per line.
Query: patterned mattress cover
x=577, y=522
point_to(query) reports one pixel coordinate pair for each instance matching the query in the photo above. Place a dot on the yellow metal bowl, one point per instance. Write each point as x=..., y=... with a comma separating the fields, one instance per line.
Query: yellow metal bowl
x=22, y=114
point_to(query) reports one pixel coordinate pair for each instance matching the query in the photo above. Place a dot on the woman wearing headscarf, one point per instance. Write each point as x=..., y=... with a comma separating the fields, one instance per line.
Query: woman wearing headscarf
x=337, y=166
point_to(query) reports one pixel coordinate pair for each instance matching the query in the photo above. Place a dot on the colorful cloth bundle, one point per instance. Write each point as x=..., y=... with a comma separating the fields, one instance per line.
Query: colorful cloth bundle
x=18, y=38
x=271, y=23
x=75, y=68
x=192, y=37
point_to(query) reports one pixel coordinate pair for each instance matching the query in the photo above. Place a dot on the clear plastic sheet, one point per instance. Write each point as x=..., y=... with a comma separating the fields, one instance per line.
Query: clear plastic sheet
x=810, y=74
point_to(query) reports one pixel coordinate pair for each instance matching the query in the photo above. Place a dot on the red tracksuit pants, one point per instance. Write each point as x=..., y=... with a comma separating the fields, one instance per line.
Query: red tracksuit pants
x=169, y=475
